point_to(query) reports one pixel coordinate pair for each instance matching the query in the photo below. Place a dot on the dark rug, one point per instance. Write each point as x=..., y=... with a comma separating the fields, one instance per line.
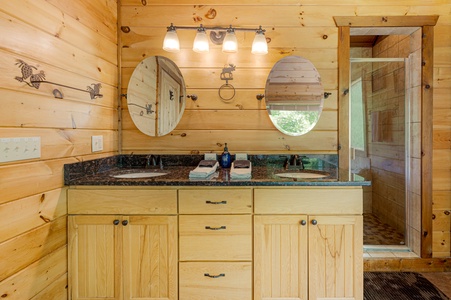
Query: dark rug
x=399, y=286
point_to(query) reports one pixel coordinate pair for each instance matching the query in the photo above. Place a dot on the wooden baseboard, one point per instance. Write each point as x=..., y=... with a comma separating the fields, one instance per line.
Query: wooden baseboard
x=407, y=264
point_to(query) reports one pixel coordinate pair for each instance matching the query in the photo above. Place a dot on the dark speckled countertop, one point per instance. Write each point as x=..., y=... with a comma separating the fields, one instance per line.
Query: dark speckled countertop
x=177, y=167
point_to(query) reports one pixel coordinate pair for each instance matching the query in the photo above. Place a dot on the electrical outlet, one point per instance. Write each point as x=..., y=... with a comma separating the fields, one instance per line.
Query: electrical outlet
x=97, y=143
x=19, y=148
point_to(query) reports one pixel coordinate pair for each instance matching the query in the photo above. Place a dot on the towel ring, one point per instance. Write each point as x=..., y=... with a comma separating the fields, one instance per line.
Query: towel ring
x=226, y=87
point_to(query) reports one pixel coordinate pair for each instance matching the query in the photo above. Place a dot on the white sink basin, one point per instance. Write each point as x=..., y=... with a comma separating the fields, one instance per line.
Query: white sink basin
x=139, y=175
x=302, y=175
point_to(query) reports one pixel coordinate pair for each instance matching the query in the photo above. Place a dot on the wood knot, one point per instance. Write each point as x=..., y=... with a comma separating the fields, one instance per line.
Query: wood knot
x=144, y=2
x=325, y=37
x=42, y=198
x=125, y=29
x=197, y=19
x=211, y=14
x=45, y=219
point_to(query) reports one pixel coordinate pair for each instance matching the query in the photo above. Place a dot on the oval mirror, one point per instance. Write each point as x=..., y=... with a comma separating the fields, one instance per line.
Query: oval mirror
x=156, y=96
x=294, y=95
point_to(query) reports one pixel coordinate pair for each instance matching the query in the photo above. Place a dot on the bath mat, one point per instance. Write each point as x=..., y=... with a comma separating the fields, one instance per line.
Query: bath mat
x=399, y=286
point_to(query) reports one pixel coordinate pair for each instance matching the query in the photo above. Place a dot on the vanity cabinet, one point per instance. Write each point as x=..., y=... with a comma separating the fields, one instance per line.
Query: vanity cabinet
x=215, y=232
x=120, y=248
x=308, y=243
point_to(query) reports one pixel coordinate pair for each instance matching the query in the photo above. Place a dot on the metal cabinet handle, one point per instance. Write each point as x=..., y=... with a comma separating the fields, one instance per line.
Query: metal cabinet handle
x=214, y=276
x=125, y=222
x=116, y=222
x=303, y=222
x=216, y=202
x=314, y=222
x=215, y=228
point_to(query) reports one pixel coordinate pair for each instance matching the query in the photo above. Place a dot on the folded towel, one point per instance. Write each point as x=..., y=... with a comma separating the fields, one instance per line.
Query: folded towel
x=204, y=169
x=241, y=169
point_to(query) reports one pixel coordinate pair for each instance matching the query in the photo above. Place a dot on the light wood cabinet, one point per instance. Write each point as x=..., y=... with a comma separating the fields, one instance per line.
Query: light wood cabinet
x=307, y=256
x=185, y=243
x=215, y=229
x=122, y=256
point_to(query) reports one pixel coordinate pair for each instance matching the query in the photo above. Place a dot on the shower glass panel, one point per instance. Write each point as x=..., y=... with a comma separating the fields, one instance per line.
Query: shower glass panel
x=380, y=144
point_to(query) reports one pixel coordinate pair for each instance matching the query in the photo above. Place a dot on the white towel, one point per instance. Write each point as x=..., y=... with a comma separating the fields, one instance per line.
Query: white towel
x=241, y=172
x=203, y=171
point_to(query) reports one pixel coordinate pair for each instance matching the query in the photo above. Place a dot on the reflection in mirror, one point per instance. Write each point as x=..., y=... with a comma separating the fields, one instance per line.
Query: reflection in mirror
x=294, y=95
x=156, y=96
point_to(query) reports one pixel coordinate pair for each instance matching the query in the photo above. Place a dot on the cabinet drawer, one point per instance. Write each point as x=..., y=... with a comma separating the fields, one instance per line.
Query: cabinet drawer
x=312, y=200
x=215, y=280
x=215, y=237
x=143, y=202
x=215, y=201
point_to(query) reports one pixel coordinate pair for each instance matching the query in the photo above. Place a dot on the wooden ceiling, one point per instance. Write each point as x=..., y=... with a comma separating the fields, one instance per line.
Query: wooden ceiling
x=368, y=36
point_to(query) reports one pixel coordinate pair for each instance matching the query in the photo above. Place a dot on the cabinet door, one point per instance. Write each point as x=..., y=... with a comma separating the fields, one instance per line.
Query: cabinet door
x=280, y=257
x=150, y=257
x=335, y=257
x=94, y=257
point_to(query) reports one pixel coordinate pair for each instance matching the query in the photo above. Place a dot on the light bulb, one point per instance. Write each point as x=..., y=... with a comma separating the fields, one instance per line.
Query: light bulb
x=171, y=40
x=200, y=44
x=260, y=46
x=230, y=44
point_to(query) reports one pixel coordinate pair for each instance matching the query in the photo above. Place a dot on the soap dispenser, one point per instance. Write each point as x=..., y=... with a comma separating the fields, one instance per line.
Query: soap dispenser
x=226, y=159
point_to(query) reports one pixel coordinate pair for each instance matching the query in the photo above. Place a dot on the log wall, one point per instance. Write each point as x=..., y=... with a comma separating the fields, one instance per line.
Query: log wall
x=293, y=28
x=75, y=44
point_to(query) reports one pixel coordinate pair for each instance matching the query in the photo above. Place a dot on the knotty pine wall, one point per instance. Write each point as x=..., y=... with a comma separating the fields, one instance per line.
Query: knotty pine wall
x=304, y=28
x=74, y=43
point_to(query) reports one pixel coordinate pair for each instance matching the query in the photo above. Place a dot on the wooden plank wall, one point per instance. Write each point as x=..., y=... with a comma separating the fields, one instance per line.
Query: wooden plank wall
x=303, y=28
x=75, y=44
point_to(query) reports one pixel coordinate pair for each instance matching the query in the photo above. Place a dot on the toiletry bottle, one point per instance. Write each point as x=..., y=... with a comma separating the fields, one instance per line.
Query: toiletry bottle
x=226, y=158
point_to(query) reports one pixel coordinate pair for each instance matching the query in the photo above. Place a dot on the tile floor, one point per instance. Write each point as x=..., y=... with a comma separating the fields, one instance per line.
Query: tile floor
x=382, y=240
x=376, y=232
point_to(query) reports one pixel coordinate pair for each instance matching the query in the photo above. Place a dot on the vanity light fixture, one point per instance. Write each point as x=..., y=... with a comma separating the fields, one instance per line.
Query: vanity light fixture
x=200, y=44
x=260, y=46
x=229, y=44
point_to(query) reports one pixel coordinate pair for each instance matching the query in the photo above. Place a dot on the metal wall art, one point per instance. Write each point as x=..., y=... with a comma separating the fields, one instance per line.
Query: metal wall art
x=227, y=88
x=35, y=79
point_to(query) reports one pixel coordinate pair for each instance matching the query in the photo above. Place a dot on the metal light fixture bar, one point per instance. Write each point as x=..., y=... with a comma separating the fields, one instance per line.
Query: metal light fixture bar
x=171, y=42
x=220, y=28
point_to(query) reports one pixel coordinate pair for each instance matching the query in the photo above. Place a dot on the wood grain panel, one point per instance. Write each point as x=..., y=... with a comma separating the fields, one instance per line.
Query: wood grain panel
x=26, y=284
x=131, y=202
x=100, y=16
x=251, y=141
x=53, y=22
x=243, y=78
x=21, y=251
x=30, y=41
x=242, y=120
x=280, y=37
x=150, y=250
x=322, y=58
x=381, y=3
x=28, y=110
x=280, y=257
x=28, y=213
x=215, y=237
x=56, y=290
x=10, y=69
x=245, y=99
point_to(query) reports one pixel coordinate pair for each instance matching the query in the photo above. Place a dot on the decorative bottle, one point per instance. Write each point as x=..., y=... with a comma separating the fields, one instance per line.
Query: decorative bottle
x=226, y=159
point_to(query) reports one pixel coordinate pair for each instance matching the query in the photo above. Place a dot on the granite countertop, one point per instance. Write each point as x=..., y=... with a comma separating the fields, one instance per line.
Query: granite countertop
x=177, y=168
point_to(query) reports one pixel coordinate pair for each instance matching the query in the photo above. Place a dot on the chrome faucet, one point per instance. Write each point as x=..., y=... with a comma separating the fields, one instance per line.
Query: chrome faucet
x=154, y=160
x=294, y=161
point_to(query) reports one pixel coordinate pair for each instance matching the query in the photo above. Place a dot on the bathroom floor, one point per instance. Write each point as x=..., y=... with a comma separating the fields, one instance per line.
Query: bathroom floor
x=375, y=232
